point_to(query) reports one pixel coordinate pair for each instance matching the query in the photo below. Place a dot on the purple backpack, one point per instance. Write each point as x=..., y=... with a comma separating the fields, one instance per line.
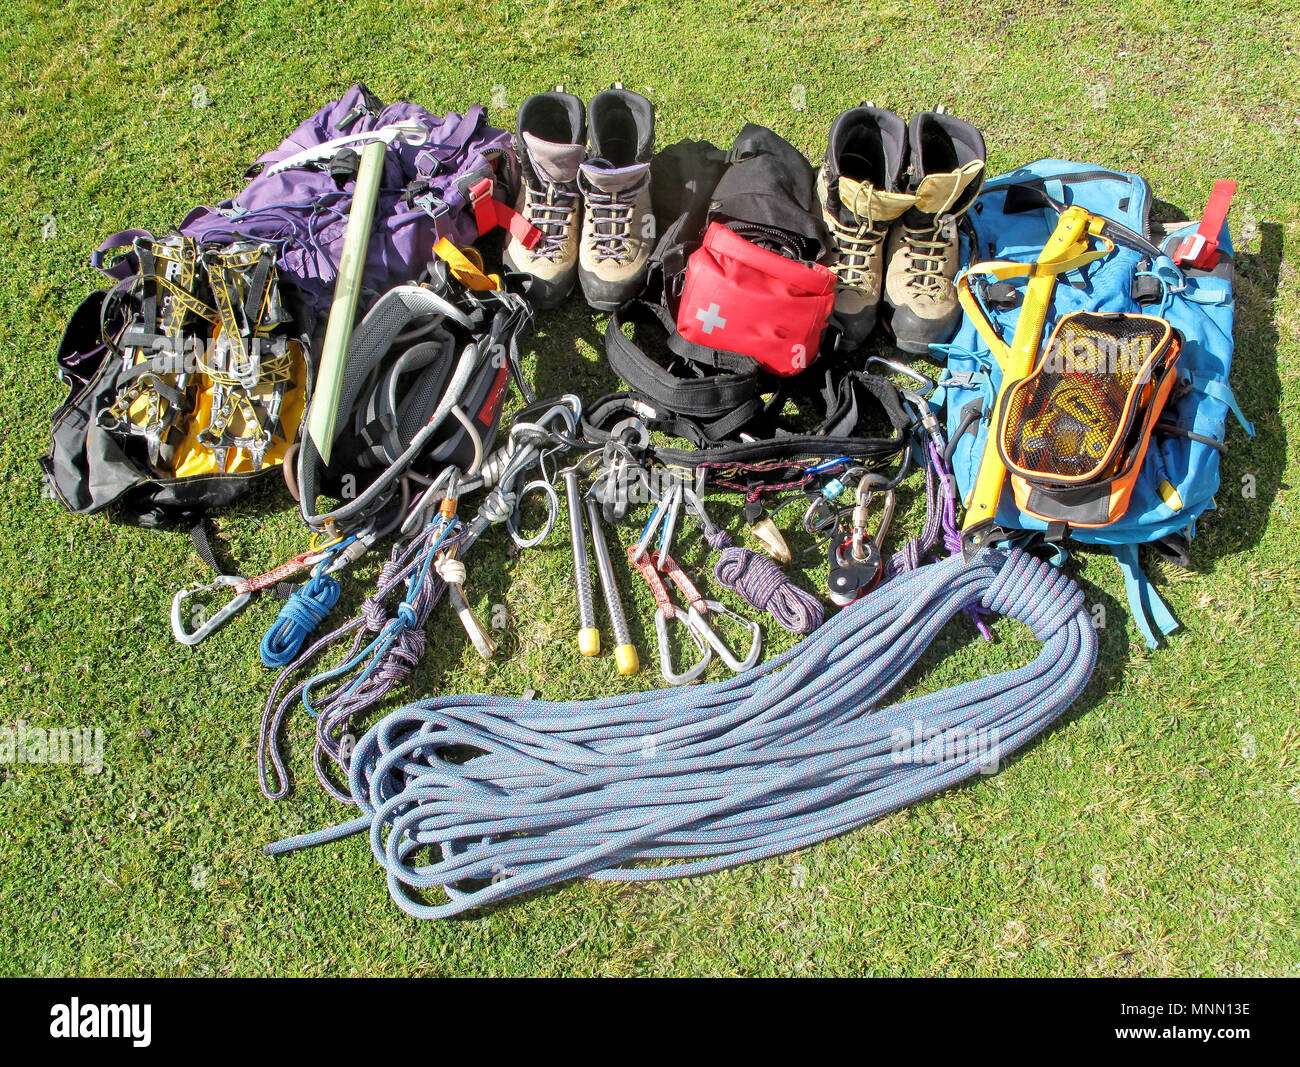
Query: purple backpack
x=456, y=183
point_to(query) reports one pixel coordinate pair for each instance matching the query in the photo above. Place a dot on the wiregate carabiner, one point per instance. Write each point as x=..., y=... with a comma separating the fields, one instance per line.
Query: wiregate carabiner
x=207, y=625
x=710, y=635
x=700, y=609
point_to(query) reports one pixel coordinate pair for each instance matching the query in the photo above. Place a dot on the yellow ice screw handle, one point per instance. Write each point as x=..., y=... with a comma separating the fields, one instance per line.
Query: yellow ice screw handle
x=626, y=659
x=1064, y=251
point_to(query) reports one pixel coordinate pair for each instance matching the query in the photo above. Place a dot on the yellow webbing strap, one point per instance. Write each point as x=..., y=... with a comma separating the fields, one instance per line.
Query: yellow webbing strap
x=466, y=266
x=1003, y=269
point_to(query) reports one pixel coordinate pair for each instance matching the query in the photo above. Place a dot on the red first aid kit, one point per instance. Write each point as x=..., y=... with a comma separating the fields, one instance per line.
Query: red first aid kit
x=742, y=298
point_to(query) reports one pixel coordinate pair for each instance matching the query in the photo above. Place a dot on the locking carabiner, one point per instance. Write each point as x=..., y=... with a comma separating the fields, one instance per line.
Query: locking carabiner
x=193, y=637
x=867, y=488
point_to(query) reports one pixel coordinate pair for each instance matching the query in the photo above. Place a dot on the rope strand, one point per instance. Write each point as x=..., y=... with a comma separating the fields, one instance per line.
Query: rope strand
x=765, y=586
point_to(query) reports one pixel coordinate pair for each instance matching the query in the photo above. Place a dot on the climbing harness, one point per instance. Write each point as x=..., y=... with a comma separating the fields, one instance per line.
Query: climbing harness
x=447, y=351
x=697, y=780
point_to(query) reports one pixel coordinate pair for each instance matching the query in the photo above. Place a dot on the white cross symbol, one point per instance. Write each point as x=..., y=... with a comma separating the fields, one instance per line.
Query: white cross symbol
x=711, y=318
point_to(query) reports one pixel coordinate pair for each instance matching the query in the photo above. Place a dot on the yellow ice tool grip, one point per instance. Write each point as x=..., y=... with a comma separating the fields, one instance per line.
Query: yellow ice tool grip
x=1067, y=249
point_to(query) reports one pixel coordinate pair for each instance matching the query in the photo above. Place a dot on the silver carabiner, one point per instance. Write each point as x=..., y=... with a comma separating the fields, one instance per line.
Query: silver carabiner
x=193, y=637
x=665, y=653
x=719, y=646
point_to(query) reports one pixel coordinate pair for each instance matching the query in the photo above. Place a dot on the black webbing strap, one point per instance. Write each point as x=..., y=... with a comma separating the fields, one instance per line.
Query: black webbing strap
x=837, y=435
x=720, y=404
x=203, y=546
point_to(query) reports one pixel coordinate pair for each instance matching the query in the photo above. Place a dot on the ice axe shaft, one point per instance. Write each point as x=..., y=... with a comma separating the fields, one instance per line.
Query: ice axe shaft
x=343, y=309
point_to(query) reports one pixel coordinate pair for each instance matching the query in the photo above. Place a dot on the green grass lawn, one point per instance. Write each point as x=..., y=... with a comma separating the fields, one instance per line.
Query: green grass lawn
x=1153, y=831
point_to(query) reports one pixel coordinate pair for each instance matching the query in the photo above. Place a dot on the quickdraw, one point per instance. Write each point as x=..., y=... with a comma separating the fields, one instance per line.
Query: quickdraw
x=654, y=567
x=422, y=566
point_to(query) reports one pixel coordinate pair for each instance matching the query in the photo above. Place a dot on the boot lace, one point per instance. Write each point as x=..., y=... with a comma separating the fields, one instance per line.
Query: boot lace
x=550, y=208
x=857, y=243
x=611, y=217
x=927, y=254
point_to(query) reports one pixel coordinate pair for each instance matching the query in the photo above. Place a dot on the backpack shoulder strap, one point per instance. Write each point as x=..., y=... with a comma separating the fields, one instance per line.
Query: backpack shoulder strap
x=1150, y=612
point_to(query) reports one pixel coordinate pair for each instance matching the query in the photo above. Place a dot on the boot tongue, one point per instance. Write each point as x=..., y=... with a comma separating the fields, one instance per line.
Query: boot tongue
x=868, y=204
x=937, y=193
x=553, y=163
x=610, y=179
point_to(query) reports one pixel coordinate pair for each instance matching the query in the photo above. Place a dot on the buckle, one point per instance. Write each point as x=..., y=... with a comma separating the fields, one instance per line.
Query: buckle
x=428, y=165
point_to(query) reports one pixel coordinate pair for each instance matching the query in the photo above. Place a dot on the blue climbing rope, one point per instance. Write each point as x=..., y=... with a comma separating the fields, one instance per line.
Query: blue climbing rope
x=301, y=614
x=782, y=756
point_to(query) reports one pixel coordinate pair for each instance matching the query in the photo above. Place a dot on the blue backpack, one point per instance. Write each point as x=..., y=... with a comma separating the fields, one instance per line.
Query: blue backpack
x=1012, y=219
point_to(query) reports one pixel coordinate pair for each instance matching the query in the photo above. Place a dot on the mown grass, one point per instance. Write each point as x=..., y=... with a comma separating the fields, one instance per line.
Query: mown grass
x=1152, y=832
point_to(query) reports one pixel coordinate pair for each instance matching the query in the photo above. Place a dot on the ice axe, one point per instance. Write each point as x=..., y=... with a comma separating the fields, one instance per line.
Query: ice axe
x=347, y=285
x=1066, y=250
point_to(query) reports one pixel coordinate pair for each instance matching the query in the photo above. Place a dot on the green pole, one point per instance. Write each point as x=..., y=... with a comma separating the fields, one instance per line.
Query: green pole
x=343, y=309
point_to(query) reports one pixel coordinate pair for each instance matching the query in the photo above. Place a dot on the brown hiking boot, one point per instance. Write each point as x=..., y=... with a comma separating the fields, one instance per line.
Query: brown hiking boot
x=551, y=144
x=921, y=256
x=858, y=187
x=618, y=225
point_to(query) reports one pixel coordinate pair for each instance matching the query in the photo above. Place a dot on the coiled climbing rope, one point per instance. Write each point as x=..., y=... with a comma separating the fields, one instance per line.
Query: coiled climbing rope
x=306, y=608
x=765, y=586
x=784, y=755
